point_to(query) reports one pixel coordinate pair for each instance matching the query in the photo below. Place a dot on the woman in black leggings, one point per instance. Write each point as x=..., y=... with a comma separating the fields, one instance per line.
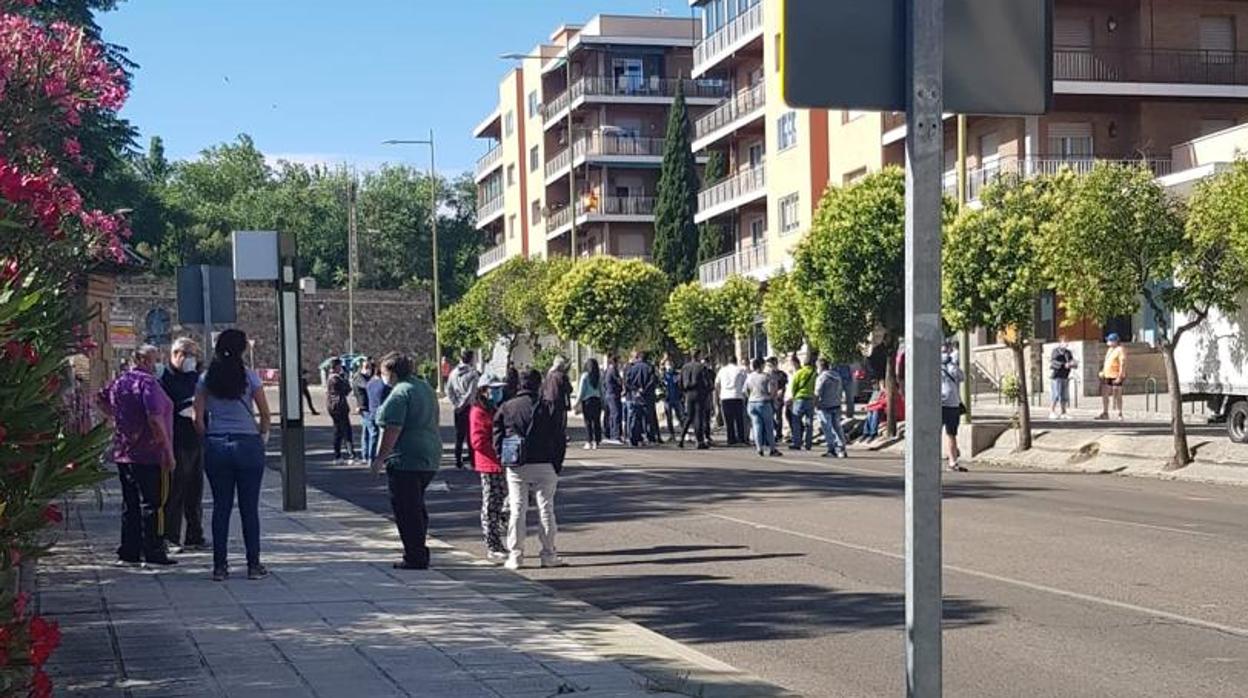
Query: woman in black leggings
x=589, y=397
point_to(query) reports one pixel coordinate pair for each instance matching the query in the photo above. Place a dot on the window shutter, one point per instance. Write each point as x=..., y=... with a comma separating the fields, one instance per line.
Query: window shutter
x=1217, y=33
x=1072, y=32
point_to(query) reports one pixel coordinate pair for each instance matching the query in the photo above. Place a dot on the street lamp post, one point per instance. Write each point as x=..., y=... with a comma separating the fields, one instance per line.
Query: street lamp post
x=567, y=71
x=433, y=226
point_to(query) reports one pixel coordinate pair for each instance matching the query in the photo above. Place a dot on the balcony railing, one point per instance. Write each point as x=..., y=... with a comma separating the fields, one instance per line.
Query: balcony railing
x=622, y=206
x=738, y=28
x=606, y=143
x=742, y=103
x=741, y=262
x=978, y=178
x=558, y=219
x=747, y=182
x=490, y=160
x=488, y=209
x=491, y=257
x=1189, y=67
x=633, y=86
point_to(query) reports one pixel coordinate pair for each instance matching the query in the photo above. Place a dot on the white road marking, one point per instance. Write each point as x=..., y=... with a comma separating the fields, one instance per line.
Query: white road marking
x=1086, y=598
x=1155, y=527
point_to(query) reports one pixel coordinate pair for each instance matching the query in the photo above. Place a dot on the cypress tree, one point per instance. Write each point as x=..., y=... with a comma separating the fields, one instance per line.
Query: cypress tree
x=675, y=234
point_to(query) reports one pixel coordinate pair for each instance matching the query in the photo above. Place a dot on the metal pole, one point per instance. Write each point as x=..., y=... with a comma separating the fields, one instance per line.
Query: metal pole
x=205, y=276
x=567, y=66
x=924, y=152
x=351, y=242
x=437, y=303
x=964, y=338
x=294, y=474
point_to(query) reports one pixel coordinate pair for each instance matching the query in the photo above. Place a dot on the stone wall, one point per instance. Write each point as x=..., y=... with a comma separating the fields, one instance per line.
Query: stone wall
x=384, y=320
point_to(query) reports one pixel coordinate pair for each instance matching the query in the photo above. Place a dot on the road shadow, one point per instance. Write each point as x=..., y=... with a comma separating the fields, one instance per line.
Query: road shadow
x=708, y=608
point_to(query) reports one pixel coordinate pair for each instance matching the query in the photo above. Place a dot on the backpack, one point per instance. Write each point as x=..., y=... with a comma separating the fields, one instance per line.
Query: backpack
x=515, y=446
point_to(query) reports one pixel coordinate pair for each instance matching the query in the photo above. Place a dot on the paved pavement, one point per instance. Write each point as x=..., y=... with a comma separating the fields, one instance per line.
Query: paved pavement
x=335, y=620
x=791, y=569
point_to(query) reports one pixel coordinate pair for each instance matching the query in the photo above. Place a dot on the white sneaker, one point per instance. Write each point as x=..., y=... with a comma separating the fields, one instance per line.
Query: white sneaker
x=495, y=556
x=1053, y=416
x=513, y=563
x=556, y=561
x=1066, y=416
x=595, y=447
x=588, y=446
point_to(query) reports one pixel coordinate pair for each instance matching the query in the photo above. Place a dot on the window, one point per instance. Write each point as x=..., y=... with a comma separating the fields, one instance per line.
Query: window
x=511, y=226
x=757, y=154
x=511, y=175
x=1070, y=141
x=534, y=105
x=629, y=74
x=758, y=230
x=535, y=211
x=534, y=158
x=790, y=215
x=779, y=51
x=509, y=123
x=1217, y=39
x=1072, y=32
x=787, y=130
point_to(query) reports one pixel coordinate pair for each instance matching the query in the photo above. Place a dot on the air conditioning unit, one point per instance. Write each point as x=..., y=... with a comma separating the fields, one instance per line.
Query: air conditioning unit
x=308, y=285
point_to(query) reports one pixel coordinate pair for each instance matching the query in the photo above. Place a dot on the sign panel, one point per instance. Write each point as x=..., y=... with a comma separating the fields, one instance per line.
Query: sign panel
x=851, y=54
x=255, y=255
x=220, y=295
x=122, y=333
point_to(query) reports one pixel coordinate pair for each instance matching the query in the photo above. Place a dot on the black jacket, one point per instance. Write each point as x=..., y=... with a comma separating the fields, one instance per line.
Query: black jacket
x=557, y=390
x=640, y=380
x=545, y=442
x=694, y=380
x=180, y=387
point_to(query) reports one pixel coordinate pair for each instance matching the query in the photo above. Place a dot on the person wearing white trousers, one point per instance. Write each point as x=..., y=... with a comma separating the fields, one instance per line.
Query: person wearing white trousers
x=543, y=481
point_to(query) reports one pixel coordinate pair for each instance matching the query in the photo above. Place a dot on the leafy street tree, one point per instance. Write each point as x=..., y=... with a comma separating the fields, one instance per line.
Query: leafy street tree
x=1119, y=237
x=782, y=316
x=712, y=239
x=609, y=304
x=1211, y=273
x=675, y=234
x=848, y=271
x=692, y=319
x=738, y=305
x=992, y=272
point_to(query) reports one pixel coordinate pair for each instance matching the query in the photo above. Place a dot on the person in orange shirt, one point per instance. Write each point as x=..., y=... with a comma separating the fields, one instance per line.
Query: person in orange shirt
x=1113, y=376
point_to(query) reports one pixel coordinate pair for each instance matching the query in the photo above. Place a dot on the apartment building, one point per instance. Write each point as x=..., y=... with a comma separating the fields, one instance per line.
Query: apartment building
x=1132, y=79
x=576, y=142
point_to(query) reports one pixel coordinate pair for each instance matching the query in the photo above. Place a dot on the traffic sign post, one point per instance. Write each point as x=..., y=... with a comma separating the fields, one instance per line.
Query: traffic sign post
x=923, y=56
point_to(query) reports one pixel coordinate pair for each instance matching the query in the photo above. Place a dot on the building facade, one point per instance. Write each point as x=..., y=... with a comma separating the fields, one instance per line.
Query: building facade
x=576, y=143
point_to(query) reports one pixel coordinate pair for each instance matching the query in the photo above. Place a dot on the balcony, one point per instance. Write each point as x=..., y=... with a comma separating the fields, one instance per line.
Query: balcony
x=735, y=191
x=731, y=37
x=491, y=258
x=746, y=104
x=614, y=209
x=978, y=178
x=629, y=88
x=602, y=144
x=489, y=162
x=750, y=260
x=489, y=211
x=1142, y=67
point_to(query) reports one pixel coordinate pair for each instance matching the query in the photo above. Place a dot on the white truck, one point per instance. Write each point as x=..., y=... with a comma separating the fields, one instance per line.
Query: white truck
x=1213, y=366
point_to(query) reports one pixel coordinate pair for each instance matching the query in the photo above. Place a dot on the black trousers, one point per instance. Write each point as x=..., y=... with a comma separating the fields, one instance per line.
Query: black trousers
x=615, y=417
x=143, y=486
x=343, y=434
x=779, y=409
x=734, y=420
x=407, y=500
x=697, y=418
x=186, y=493
x=461, y=437
x=592, y=409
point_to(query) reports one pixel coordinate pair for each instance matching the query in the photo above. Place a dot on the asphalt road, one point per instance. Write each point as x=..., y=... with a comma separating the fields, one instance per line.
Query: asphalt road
x=791, y=568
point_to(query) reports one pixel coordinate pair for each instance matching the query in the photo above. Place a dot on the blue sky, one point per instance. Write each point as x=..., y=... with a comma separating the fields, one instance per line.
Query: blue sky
x=328, y=80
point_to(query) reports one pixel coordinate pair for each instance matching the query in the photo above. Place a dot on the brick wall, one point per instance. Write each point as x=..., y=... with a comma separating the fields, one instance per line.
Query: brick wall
x=384, y=320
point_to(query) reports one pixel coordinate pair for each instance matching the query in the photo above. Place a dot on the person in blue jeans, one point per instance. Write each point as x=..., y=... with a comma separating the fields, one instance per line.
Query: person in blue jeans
x=376, y=392
x=760, y=393
x=828, y=396
x=227, y=401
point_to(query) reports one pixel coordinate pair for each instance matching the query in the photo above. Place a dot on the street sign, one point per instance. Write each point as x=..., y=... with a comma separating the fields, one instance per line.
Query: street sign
x=219, y=295
x=121, y=331
x=851, y=54
x=255, y=255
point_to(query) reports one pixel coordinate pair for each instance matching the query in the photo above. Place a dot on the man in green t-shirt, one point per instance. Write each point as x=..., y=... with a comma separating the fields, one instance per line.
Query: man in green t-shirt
x=410, y=452
x=804, y=404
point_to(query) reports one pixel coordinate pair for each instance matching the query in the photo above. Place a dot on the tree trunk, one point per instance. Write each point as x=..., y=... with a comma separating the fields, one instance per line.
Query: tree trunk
x=1024, y=404
x=1182, y=454
x=890, y=390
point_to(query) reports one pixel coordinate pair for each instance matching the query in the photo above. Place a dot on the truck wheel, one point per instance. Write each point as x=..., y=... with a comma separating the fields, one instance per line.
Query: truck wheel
x=1237, y=422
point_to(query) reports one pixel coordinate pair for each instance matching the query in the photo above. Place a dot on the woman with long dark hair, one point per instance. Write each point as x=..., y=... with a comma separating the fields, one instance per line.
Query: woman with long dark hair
x=227, y=401
x=589, y=399
x=493, y=478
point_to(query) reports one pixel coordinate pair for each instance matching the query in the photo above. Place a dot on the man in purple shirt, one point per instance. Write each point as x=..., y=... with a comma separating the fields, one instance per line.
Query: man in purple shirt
x=142, y=417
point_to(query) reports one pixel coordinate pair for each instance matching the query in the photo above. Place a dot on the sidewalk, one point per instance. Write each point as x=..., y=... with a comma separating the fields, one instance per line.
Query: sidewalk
x=334, y=619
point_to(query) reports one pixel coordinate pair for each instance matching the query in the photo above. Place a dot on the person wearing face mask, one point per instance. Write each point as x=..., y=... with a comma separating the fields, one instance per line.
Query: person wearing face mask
x=186, y=491
x=359, y=390
x=485, y=462
x=142, y=416
x=410, y=453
